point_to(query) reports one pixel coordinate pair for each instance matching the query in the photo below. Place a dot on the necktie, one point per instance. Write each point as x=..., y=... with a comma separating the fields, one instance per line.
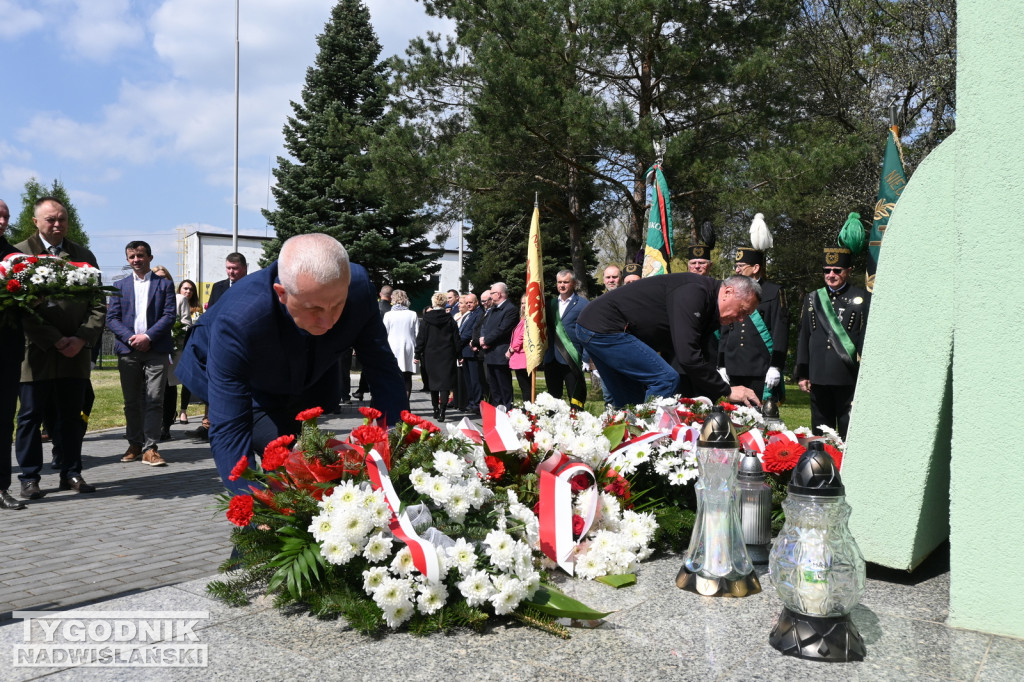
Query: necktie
x=54, y=250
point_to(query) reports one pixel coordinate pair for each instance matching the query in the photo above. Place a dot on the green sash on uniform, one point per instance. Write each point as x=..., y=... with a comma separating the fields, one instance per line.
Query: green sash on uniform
x=841, y=341
x=567, y=350
x=766, y=336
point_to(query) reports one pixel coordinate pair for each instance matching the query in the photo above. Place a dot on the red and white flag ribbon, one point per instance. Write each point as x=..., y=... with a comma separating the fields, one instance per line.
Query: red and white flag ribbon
x=752, y=440
x=626, y=449
x=784, y=436
x=468, y=430
x=498, y=432
x=424, y=555
x=556, y=536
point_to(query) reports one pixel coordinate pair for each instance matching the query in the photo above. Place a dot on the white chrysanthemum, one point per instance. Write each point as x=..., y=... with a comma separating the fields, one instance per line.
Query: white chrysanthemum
x=512, y=592
x=347, y=494
x=377, y=511
x=398, y=613
x=419, y=478
x=458, y=504
x=589, y=566
x=500, y=548
x=462, y=555
x=378, y=548
x=353, y=524
x=682, y=476
x=544, y=441
x=338, y=553
x=476, y=588
x=477, y=493
x=323, y=527
x=373, y=578
x=449, y=464
x=403, y=564
x=439, y=490
x=520, y=422
x=393, y=591
x=432, y=597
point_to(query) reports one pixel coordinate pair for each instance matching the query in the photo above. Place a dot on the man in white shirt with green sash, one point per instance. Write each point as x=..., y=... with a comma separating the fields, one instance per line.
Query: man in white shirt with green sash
x=832, y=324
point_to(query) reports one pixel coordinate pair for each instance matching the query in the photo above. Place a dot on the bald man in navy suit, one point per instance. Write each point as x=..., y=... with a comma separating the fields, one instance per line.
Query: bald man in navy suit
x=258, y=361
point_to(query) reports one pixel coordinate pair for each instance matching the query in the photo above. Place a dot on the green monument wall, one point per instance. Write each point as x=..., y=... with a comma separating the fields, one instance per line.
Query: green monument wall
x=932, y=442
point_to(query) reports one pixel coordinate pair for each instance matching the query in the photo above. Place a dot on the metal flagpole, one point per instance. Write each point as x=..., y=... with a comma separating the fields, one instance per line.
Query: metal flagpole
x=234, y=220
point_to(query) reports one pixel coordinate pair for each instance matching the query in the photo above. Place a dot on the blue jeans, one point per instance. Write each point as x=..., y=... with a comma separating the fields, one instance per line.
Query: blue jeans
x=630, y=369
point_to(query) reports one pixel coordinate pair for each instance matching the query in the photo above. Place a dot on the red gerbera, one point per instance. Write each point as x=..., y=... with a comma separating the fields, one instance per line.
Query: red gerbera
x=240, y=510
x=371, y=413
x=13, y=285
x=311, y=413
x=782, y=456
x=495, y=467
x=837, y=455
x=239, y=468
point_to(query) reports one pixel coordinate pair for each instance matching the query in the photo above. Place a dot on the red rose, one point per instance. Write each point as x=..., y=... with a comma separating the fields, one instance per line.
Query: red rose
x=410, y=419
x=13, y=285
x=579, y=483
x=617, y=486
x=782, y=456
x=495, y=467
x=239, y=469
x=837, y=455
x=240, y=510
x=370, y=413
x=577, y=525
x=311, y=413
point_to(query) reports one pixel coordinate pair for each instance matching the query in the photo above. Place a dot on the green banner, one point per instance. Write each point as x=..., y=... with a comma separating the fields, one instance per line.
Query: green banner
x=889, y=190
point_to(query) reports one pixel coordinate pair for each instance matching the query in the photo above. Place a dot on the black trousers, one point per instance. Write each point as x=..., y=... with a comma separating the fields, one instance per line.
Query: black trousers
x=499, y=378
x=474, y=389
x=558, y=375
x=830, y=405
x=68, y=395
x=11, y=350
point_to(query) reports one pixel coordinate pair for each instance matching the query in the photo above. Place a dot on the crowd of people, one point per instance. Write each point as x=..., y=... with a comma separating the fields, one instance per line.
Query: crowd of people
x=288, y=340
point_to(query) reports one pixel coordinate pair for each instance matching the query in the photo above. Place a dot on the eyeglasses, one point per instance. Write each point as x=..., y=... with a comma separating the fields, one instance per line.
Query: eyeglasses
x=834, y=271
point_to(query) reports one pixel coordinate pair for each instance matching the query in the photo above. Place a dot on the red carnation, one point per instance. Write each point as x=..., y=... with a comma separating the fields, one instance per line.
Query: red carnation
x=368, y=434
x=409, y=418
x=311, y=413
x=240, y=510
x=837, y=455
x=18, y=267
x=431, y=428
x=13, y=285
x=276, y=452
x=371, y=413
x=495, y=467
x=577, y=525
x=728, y=407
x=239, y=469
x=579, y=483
x=782, y=456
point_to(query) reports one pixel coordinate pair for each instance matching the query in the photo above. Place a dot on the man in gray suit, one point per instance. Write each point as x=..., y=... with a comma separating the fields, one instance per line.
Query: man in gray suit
x=57, y=362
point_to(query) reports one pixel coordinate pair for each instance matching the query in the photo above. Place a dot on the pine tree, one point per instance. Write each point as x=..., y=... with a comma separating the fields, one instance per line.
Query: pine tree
x=34, y=191
x=329, y=184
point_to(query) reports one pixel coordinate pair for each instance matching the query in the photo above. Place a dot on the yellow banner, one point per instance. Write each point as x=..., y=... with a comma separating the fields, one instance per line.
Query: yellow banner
x=535, y=338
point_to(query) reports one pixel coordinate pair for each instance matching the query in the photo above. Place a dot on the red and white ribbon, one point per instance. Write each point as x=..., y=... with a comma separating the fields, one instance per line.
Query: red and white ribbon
x=784, y=436
x=424, y=555
x=498, y=432
x=556, y=537
x=626, y=449
x=467, y=429
x=752, y=440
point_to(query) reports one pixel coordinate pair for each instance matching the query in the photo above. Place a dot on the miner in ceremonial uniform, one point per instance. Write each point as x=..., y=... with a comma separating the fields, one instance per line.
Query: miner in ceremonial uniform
x=752, y=351
x=699, y=259
x=832, y=324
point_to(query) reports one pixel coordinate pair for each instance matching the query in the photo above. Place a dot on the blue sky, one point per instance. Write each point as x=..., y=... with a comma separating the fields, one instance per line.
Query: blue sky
x=130, y=103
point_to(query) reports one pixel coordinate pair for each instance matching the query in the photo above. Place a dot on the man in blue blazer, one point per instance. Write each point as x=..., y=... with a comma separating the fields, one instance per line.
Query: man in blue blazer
x=257, y=362
x=142, y=321
x=470, y=367
x=565, y=355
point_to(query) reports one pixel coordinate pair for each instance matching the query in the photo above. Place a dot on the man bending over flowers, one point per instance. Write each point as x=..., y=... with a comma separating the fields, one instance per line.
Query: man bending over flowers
x=258, y=361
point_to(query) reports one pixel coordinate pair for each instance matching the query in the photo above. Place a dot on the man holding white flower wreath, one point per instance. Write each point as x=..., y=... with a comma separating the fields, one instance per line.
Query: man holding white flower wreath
x=57, y=363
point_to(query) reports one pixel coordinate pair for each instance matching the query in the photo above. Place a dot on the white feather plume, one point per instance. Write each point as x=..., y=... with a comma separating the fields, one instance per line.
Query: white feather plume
x=760, y=237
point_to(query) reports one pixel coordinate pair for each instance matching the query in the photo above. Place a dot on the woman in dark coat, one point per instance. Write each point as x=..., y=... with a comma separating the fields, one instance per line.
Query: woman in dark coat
x=437, y=347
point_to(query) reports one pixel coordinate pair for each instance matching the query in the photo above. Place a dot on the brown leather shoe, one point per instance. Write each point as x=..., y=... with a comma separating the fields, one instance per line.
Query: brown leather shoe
x=133, y=453
x=153, y=458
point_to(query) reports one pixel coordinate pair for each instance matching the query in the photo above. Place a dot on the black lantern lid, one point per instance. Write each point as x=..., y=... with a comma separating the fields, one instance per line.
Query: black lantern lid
x=816, y=473
x=717, y=431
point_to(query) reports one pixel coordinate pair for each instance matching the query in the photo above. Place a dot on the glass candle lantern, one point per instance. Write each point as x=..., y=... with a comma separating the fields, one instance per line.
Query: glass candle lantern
x=716, y=562
x=755, y=508
x=816, y=566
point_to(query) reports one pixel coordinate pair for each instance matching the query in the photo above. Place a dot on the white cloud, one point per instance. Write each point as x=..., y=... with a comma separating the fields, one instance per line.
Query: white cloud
x=96, y=30
x=16, y=20
x=12, y=181
x=81, y=197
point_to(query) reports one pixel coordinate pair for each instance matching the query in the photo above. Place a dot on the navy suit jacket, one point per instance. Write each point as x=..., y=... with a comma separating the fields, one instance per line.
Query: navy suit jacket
x=160, y=314
x=251, y=354
x=497, y=332
x=219, y=289
x=466, y=328
x=576, y=305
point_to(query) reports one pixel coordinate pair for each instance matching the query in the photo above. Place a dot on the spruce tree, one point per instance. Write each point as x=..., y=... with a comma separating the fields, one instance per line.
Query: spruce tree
x=24, y=228
x=328, y=185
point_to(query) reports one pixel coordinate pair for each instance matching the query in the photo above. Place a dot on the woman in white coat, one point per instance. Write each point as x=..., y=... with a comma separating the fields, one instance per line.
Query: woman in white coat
x=402, y=326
